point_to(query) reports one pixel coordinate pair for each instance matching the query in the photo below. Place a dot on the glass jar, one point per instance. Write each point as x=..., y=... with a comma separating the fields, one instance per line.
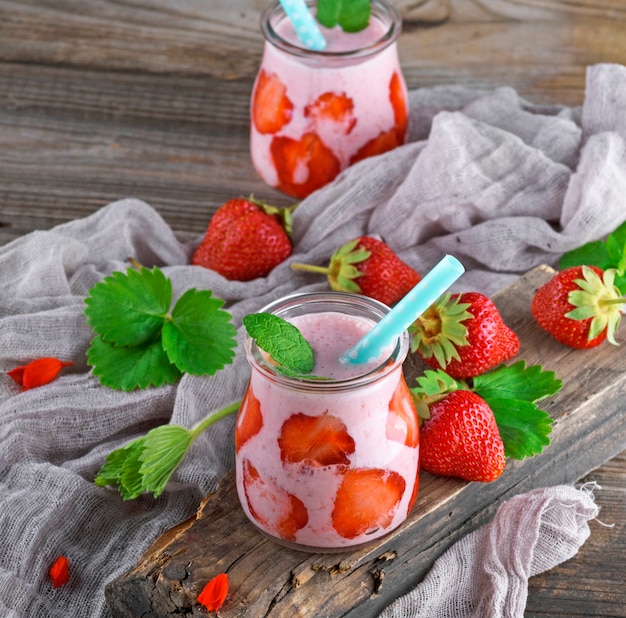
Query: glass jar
x=328, y=464
x=313, y=113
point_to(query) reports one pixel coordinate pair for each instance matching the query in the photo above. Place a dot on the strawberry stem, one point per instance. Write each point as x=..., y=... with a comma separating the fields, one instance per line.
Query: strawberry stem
x=613, y=301
x=324, y=270
x=209, y=420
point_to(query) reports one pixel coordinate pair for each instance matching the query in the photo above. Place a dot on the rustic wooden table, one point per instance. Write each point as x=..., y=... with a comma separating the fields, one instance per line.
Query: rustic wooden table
x=101, y=100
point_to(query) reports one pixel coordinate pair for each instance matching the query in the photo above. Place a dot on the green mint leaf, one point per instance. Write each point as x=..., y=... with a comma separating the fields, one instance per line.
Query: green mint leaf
x=282, y=341
x=516, y=382
x=200, y=337
x=524, y=428
x=127, y=368
x=350, y=15
x=164, y=448
x=129, y=309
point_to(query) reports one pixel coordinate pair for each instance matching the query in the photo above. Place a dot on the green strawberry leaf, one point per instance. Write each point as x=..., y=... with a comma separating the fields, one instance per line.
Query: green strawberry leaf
x=127, y=368
x=511, y=393
x=350, y=15
x=138, y=344
x=603, y=254
x=113, y=468
x=129, y=309
x=122, y=468
x=282, y=341
x=200, y=337
x=523, y=427
x=516, y=382
x=147, y=463
x=164, y=448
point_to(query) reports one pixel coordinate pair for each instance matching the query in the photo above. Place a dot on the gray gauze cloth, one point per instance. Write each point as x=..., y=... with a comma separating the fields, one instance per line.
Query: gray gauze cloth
x=502, y=184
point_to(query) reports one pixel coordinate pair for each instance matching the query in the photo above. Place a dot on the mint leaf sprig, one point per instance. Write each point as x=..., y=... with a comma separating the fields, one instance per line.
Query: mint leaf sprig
x=610, y=253
x=512, y=393
x=284, y=343
x=147, y=463
x=350, y=15
x=138, y=343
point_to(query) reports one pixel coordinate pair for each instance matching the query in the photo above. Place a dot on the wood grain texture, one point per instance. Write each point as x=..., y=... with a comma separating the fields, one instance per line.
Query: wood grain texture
x=270, y=580
x=103, y=100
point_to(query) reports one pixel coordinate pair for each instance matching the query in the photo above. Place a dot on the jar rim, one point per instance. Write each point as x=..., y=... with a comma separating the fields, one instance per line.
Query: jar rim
x=321, y=300
x=379, y=9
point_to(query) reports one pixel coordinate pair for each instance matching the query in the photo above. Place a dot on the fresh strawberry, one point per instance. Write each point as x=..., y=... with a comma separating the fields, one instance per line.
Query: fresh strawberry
x=464, y=334
x=271, y=107
x=368, y=266
x=331, y=107
x=580, y=306
x=316, y=440
x=249, y=419
x=402, y=422
x=461, y=439
x=366, y=501
x=274, y=509
x=303, y=165
x=245, y=239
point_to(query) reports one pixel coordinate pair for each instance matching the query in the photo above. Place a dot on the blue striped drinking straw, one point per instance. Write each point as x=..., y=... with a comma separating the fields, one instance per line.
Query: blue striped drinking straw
x=394, y=323
x=304, y=24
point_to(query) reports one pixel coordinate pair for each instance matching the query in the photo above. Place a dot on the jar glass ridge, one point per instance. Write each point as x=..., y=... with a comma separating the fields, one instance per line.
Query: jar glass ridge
x=383, y=11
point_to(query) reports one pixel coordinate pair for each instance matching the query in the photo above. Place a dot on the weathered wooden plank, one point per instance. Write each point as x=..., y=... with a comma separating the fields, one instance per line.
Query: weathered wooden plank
x=101, y=101
x=67, y=149
x=267, y=579
x=592, y=584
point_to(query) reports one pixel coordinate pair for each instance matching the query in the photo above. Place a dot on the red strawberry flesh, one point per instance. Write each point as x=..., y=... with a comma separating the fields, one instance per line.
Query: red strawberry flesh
x=366, y=501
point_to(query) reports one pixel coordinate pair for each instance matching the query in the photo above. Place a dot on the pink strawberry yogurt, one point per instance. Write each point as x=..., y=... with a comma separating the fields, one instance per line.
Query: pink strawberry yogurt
x=328, y=465
x=315, y=113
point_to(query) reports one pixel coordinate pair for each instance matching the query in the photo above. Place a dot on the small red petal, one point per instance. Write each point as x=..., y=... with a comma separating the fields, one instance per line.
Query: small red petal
x=18, y=374
x=60, y=571
x=38, y=372
x=214, y=593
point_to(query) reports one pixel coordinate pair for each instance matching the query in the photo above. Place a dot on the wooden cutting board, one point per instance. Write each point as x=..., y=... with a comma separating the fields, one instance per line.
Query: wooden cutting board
x=267, y=579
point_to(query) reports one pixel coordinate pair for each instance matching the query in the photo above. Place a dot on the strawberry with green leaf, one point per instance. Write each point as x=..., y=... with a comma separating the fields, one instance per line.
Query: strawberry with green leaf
x=470, y=428
x=580, y=306
x=464, y=334
x=370, y=267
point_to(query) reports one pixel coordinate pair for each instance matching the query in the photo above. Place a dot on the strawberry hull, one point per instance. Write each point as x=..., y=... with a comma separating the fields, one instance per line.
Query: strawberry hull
x=326, y=465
